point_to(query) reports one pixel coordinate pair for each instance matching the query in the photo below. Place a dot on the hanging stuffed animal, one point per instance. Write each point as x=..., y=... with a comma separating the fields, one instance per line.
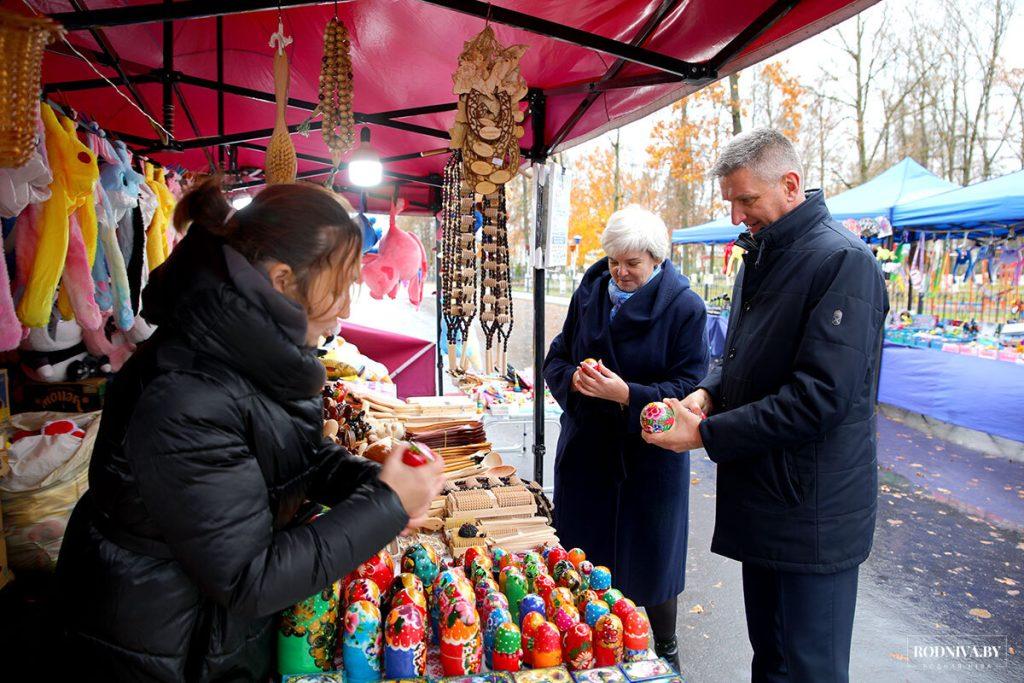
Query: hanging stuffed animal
x=28, y=184
x=402, y=258
x=48, y=351
x=43, y=236
x=156, y=233
x=118, y=193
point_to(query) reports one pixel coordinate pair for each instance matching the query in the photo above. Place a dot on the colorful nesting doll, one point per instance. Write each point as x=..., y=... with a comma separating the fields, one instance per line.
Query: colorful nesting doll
x=496, y=618
x=585, y=598
x=505, y=573
x=560, y=568
x=566, y=616
x=380, y=569
x=622, y=608
x=608, y=641
x=441, y=581
x=500, y=557
x=531, y=602
x=421, y=560
x=600, y=580
x=543, y=585
x=480, y=568
x=482, y=588
x=585, y=569
x=636, y=636
x=491, y=602
x=578, y=647
x=576, y=555
x=531, y=622
x=612, y=596
x=362, y=589
x=405, y=643
x=461, y=639
x=308, y=633
x=361, y=642
x=594, y=611
x=410, y=596
x=471, y=554
x=547, y=646
x=557, y=598
x=402, y=581
x=534, y=557
x=515, y=591
x=508, y=648
x=572, y=580
x=554, y=556
x=531, y=572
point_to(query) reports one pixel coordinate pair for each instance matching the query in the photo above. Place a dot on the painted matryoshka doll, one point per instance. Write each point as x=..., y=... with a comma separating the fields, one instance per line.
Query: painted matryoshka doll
x=566, y=616
x=506, y=560
x=534, y=557
x=622, y=608
x=531, y=603
x=505, y=573
x=557, y=598
x=515, y=591
x=306, y=641
x=480, y=568
x=361, y=642
x=547, y=646
x=482, y=588
x=543, y=585
x=362, y=589
x=403, y=581
x=461, y=639
x=531, y=572
x=500, y=556
x=636, y=636
x=578, y=647
x=380, y=569
x=496, y=618
x=492, y=601
x=410, y=596
x=531, y=622
x=471, y=554
x=608, y=641
x=508, y=648
x=576, y=555
x=553, y=556
x=421, y=560
x=441, y=581
x=612, y=596
x=594, y=611
x=560, y=568
x=584, y=598
x=600, y=580
x=405, y=643
x=585, y=569
x=572, y=580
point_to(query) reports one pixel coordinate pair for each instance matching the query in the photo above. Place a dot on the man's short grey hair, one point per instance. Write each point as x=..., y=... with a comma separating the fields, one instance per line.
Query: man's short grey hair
x=764, y=151
x=634, y=228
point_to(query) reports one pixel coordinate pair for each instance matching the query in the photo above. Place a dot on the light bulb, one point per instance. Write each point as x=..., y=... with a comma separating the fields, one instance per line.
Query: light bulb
x=240, y=201
x=364, y=167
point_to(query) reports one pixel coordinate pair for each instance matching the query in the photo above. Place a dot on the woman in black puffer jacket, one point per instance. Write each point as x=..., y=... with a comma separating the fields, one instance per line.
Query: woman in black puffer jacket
x=194, y=532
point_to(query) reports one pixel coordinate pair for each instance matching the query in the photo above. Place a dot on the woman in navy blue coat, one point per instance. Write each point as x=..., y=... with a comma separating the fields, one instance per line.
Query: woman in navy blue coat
x=623, y=501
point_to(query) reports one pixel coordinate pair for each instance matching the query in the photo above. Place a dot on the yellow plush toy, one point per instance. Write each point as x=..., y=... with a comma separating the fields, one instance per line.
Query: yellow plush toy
x=156, y=235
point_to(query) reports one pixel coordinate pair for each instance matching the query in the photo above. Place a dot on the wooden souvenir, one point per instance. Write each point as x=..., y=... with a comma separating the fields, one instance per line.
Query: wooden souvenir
x=405, y=643
x=361, y=642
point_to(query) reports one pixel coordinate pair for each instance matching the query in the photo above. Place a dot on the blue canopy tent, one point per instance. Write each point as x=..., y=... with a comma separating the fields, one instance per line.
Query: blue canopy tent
x=995, y=204
x=906, y=181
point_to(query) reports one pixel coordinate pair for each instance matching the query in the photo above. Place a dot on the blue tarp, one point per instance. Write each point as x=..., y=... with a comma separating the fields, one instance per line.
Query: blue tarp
x=906, y=181
x=998, y=202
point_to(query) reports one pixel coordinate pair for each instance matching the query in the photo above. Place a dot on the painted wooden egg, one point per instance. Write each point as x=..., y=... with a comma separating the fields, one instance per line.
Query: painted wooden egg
x=405, y=643
x=461, y=639
x=576, y=555
x=508, y=648
x=560, y=568
x=471, y=554
x=589, y=361
x=554, y=556
x=421, y=560
x=493, y=601
x=362, y=589
x=361, y=642
x=547, y=646
x=600, y=579
x=557, y=598
x=584, y=598
x=380, y=569
x=657, y=417
x=566, y=617
x=531, y=602
x=594, y=611
x=496, y=618
x=612, y=596
x=636, y=636
x=578, y=647
x=608, y=641
x=515, y=591
x=572, y=580
x=622, y=608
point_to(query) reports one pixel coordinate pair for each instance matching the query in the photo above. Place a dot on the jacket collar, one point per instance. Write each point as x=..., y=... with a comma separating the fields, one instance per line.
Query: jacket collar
x=790, y=227
x=644, y=308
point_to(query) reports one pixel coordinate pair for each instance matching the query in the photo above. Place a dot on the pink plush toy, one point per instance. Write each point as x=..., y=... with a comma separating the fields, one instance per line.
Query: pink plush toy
x=401, y=259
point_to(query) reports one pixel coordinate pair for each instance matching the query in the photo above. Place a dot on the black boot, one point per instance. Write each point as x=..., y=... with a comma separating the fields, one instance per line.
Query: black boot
x=669, y=649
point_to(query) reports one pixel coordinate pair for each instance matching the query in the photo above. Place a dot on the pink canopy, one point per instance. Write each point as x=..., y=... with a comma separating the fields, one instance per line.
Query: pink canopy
x=592, y=65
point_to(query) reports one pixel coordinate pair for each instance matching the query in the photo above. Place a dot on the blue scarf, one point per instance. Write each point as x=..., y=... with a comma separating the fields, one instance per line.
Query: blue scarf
x=620, y=297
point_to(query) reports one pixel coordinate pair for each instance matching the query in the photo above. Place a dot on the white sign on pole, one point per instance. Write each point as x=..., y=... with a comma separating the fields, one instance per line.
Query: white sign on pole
x=558, y=191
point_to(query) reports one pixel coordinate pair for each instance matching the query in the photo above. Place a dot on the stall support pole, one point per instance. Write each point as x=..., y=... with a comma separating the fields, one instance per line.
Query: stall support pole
x=168, y=83
x=537, y=120
x=437, y=300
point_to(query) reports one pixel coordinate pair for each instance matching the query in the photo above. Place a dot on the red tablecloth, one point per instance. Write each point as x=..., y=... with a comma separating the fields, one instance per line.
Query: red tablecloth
x=410, y=361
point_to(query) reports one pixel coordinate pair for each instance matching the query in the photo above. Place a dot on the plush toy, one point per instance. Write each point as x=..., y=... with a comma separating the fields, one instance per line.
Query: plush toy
x=47, y=352
x=401, y=259
x=27, y=184
x=118, y=194
x=109, y=344
x=157, y=250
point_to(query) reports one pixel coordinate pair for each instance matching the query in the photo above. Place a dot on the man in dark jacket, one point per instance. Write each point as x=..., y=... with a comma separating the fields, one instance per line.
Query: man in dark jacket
x=791, y=414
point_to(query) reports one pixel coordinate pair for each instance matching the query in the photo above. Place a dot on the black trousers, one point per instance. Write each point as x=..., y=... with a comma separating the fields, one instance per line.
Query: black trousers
x=800, y=625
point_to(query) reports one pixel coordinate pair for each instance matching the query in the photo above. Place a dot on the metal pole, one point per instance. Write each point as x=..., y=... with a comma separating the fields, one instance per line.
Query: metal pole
x=437, y=299
x=537, y=120
x=168, y=85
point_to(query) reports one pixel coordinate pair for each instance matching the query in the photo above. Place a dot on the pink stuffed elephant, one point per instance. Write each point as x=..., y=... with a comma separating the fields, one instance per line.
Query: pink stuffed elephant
x=401, y=259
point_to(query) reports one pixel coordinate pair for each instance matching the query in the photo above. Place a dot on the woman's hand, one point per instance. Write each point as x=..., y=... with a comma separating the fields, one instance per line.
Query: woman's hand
x=416, y=486
x=597, y=381
x=685, y=433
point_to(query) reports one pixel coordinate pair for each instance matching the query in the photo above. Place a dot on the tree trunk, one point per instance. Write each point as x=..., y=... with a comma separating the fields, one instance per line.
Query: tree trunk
x=734, y=103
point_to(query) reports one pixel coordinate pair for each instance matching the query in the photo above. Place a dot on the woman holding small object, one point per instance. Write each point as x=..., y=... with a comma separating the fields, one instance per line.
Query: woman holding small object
x=635, y=332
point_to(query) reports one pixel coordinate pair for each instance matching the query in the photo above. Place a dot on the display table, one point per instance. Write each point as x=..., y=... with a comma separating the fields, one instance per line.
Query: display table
x=967, y=391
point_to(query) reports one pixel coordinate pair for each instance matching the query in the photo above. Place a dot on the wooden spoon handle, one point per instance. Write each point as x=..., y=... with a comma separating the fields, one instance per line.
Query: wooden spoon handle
x=281, y=87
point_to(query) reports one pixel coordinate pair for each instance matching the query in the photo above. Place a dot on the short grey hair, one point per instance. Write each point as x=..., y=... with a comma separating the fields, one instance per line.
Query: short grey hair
x=634, y=228
x=765, y=151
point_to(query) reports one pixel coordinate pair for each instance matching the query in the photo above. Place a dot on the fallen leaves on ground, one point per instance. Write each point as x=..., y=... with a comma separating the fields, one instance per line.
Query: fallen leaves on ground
x=696, y=609
x=980, y=613
x=899, y=657
x=1007, y=581
x=695, y=481
x=895, y=522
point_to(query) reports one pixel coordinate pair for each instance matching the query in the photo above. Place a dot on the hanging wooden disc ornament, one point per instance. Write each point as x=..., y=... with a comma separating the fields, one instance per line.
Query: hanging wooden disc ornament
x=339, y=123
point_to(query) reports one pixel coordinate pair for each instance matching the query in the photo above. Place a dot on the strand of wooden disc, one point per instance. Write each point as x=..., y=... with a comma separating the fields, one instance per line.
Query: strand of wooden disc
x=458, y=261
x=495, y=287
